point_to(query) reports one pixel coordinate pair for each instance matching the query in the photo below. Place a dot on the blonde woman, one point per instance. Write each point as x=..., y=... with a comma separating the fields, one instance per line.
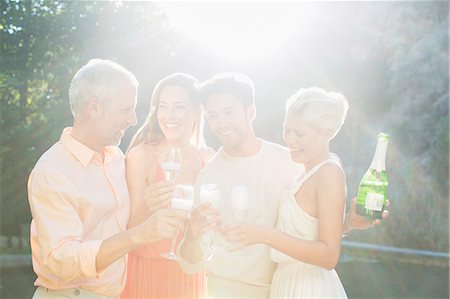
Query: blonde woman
x=174, y=121
x=306, y=242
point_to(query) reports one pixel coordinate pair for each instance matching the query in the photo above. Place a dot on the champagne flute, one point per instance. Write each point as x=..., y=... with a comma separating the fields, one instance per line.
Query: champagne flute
x=182, y=199
x=239, y=202
x=210, y=193
x=171, y=163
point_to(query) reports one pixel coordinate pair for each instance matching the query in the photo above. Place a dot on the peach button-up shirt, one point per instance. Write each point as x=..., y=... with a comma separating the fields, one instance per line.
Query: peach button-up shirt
x=77, y=200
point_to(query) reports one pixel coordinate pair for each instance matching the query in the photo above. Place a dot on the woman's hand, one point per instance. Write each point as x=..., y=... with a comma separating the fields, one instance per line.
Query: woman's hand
x=157, y=195
x=245, y=234
x=353, y=221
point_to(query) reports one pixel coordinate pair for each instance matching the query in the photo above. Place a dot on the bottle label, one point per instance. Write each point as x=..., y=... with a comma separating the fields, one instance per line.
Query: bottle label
x=374, y=201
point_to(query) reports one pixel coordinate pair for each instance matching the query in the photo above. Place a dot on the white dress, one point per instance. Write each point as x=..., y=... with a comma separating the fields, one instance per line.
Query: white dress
x=292, y=278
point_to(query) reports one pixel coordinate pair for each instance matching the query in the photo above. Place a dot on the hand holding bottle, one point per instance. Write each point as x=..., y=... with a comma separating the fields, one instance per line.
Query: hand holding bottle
x=354, y=221
x=372, y=193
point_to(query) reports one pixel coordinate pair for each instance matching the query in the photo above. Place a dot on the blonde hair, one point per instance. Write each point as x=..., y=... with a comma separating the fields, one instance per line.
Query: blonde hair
x=319, y=108
x=150, y=132
x=98, y=78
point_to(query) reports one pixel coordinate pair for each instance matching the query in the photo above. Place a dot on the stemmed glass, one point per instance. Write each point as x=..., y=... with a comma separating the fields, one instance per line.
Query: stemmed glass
x=171, y=163
x=210, y=193
x=239, y=202
x=182, y=199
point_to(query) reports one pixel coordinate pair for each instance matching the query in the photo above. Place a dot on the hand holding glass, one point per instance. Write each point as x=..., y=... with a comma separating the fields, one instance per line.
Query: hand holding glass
x=210, y=193
x=182, y=199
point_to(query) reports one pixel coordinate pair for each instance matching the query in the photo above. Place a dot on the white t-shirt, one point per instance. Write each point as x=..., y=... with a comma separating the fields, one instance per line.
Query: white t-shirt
x=266, y=175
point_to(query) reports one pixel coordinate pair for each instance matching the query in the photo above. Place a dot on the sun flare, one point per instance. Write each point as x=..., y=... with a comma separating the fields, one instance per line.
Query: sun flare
x=237, y=31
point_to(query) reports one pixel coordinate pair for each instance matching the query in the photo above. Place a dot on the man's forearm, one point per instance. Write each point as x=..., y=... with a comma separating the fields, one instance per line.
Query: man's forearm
x=191, y=251
x=162, y=224
x=192, y=257
x=115, y=247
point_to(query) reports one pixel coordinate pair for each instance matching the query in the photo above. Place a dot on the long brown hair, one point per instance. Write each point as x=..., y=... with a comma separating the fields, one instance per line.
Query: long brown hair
x=150, y=132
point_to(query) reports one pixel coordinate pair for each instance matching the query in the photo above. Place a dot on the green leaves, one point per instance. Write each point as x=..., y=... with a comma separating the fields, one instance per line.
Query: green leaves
x=43, y=44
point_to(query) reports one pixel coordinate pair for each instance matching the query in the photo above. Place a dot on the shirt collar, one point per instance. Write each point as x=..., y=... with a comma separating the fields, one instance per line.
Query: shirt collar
x=81, y=152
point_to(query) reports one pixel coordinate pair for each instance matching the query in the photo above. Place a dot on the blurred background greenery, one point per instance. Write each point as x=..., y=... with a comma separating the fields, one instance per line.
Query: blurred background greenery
x=389, y=58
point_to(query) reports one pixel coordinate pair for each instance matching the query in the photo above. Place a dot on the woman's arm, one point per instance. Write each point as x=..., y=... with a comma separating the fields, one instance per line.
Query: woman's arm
x=141, y=166
x=330, y=195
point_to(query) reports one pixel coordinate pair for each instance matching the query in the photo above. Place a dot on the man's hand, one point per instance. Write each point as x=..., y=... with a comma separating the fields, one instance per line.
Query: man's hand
x=158, y=195
x=162, y=224
x=203, y=219
x=353, y=221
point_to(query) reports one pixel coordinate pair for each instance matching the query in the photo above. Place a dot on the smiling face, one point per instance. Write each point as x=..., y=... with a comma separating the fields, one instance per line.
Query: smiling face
x=176, y=113
x=229, y=120
x=118, y=114
x=308, y=145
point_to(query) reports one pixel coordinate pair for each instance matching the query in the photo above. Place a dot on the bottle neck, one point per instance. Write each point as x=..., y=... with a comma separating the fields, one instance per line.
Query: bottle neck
x=379, y=159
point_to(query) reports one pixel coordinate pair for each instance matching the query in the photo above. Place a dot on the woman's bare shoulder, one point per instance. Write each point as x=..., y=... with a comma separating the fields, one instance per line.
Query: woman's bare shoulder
x=142, y=153
x=330, y=173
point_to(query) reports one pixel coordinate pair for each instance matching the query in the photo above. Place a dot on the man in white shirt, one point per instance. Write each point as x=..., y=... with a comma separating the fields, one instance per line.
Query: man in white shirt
x=265, y=169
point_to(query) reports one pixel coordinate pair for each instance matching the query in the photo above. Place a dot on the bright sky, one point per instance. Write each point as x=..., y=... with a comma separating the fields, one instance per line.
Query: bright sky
x=238, y=31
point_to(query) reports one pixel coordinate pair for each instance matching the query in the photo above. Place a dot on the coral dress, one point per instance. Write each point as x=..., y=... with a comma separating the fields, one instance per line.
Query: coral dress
x=292, y=278
x=151, y=276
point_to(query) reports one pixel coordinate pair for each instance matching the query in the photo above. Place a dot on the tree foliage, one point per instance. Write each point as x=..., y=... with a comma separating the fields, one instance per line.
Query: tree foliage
x=43, y=44
x=413, y=56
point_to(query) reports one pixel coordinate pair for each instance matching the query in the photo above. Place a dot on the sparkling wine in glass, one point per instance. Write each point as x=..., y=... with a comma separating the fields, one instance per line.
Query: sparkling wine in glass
x=210, y=193
x=239, y=202
x=171, y=163
x=182, y=199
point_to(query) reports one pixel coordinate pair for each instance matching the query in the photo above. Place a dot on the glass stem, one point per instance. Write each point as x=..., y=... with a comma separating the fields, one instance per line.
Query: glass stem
x=174, y=241
x=213, y=238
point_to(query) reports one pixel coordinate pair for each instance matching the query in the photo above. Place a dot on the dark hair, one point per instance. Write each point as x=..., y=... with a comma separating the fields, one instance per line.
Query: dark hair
x=150, y=132
x=235, y=84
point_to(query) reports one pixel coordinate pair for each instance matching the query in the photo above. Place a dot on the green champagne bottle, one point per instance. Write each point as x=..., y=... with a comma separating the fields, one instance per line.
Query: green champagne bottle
x=372, y=191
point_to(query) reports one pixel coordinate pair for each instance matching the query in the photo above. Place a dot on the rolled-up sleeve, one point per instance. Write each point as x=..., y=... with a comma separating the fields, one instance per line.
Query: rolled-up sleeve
x=59, y=228
x=190, y=268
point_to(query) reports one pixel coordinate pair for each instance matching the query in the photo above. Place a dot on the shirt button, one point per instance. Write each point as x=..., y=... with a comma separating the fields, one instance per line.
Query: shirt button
x=76, y=292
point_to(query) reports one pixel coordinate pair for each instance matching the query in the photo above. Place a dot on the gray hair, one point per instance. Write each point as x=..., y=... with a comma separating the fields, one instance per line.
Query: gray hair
x=99, y=78
x=319, y=108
